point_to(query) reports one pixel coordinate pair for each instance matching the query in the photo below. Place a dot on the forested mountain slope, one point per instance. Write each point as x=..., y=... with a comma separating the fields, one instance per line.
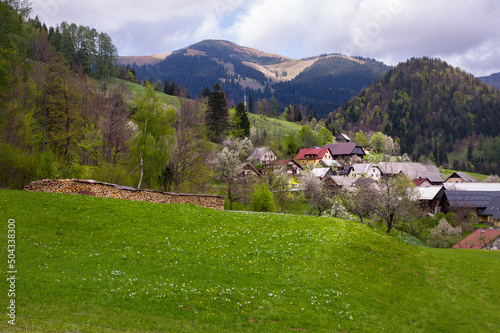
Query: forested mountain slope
x=427, y=105
x=320, y=83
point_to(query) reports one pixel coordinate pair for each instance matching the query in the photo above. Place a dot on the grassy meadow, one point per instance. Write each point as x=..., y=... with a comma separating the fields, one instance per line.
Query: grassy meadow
x=88, y=264
x=272, y=126
x=136, y=89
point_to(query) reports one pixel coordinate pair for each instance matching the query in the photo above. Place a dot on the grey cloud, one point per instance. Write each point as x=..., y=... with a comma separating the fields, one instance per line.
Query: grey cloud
x=463, y=32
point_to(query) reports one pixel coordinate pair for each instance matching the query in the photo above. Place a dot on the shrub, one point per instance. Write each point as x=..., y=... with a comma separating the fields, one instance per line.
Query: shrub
x=262, y=199
x=47, y=170
x=444, y=235
x=338, y=209
x=290, y=202
x=112, y=173
x=17, y=168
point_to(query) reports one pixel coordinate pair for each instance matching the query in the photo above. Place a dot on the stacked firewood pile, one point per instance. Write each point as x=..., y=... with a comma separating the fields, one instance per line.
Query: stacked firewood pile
x=106, y=190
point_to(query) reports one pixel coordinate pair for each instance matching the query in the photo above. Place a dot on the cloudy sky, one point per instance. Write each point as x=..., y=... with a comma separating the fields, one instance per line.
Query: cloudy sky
x=466, y=33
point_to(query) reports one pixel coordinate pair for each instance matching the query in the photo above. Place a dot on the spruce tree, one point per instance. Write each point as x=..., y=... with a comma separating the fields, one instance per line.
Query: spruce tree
x=217, y=115
x=244, y=122
x=250, y=103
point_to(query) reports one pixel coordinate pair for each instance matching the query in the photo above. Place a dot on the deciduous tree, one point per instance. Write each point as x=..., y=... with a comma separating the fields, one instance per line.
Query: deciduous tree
x=361, y=200
x=395, y=201
x=361, y=139
x=316, y=193
x=378, y=142
x=150, y=144
x=227, y=170
x=325, y=136
x=190, y=152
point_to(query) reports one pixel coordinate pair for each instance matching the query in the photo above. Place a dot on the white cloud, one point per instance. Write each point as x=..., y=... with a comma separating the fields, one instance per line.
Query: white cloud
x=463, y=32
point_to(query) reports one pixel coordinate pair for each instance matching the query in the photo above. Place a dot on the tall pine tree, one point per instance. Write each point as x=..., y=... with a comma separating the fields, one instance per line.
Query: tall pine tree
x=241, y=122
x=250, y=103
x=217, y=115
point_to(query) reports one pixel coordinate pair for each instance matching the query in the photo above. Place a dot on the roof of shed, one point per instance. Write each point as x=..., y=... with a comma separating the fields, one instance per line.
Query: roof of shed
x=320, y=172
x=429, y=193
x=478, y=199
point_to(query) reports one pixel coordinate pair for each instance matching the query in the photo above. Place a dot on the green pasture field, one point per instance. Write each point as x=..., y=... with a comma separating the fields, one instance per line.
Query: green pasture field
x=274, y=127
x=89, y=264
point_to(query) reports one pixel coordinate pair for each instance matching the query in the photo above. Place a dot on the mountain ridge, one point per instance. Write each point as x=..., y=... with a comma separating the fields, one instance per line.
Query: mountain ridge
x=492, y=79
x=281, y=63
x=242, y=70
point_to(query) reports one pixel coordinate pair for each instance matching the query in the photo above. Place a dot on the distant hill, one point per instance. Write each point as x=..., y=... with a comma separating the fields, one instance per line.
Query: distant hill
x=322, y=83
x=493, y=80
x=427, y=105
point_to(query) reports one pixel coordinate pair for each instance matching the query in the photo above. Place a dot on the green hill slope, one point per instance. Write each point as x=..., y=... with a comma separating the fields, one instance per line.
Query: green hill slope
x=107, y=265
x=136, y=89
x=273, y=126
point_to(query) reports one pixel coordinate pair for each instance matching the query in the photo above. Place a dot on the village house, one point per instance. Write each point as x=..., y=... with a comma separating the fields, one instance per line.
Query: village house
x=421, y=182
x=345, y=150
x=460, y=177
x=476, y=201
x=412, y=171
x=262, y=155
x=313, y=156
x=430, y=198
x=288, y=166
x=481, y=239
x=322, y=173
x=342, y=138
x=248, y=170
x=335, y=183
x=492, y=213
x=360, y=170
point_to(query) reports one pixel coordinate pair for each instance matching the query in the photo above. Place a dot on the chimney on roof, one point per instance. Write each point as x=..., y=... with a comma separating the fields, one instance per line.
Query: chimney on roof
x=483, y=232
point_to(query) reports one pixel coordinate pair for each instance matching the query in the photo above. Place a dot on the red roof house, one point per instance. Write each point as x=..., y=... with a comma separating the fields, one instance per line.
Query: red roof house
x=481, y=239
x=313, y=155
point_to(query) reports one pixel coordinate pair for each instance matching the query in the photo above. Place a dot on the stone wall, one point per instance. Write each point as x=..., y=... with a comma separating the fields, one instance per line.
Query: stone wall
x=106, y=190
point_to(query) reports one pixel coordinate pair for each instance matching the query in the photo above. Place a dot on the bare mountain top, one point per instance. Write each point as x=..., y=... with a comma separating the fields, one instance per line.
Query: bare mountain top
x=320, y=83
x=143, y=60
x=275, y=67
